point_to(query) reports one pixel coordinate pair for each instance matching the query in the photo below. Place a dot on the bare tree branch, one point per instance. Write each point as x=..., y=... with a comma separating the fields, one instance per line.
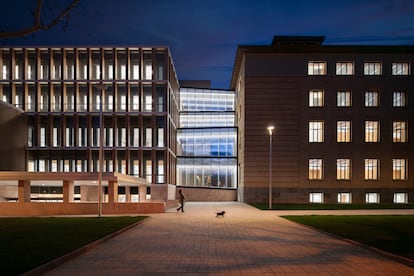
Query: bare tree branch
x=37, y=24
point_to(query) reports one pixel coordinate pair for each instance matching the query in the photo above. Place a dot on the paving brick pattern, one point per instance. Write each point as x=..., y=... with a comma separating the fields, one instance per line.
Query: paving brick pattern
x=245, y=241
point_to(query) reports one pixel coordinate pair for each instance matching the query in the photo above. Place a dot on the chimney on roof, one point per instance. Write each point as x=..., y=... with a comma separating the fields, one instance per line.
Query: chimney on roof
x=297, y=40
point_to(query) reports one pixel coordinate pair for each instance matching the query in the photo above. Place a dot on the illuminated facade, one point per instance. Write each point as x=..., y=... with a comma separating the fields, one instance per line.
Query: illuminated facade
x=57, y=88
x=342, y=117
x=207, y=139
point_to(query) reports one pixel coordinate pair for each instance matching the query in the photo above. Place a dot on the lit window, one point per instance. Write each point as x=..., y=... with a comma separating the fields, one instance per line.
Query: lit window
x=316, y=197
x=372, y=131
x=109, y=134
x=399, y=132
x=398, y=99
x=343, y=169
x=121, y=142
x=148, y=137
x=160, y=171
x=315, y=98
x=400, y=198
x=344, y=68
x=148, y=171
x=315, y=169
x=316, y=132
x=123, y=102
x=56, y=137
x=344, y=197
x=372, y=68
x=69, y=137
x=317, y=68
x=43, y=137
x=400, y=68
x=343, y=98
x=160, y=137
x=399, y=169
x=343, y=131
x=134, y=141
x=30, y=136
x=372, y=197
x=371, y=169
x=371, y=99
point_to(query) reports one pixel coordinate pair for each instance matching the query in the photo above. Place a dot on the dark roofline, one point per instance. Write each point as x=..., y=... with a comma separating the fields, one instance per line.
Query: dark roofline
x=309, y=44
x=297, y=40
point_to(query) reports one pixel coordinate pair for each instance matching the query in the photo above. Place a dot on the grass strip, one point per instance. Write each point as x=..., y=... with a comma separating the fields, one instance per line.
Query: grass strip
x=317, y=206
x=390, y=233
x=27, y=243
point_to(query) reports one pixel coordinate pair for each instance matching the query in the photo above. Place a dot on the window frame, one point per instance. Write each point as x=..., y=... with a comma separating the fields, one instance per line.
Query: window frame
x=399, y=131
x=315, y=169
x=371, y=99
x=372, y=131
x=400, y=68
x=372, y=68
x=343, y=169
x=316, y=98
x=399, y=99
x=348, y=196
x=317, y=68
x=344, y=136
x=371, y=169
x=344, y=97
x=399, y=165
x=347, y=65
x=316, y=131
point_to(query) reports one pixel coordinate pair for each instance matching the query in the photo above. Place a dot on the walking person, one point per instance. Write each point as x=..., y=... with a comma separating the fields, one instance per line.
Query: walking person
x=181, y=198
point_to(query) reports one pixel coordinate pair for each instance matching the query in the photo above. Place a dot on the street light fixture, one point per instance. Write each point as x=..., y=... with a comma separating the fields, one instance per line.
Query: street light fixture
x=101, y=87
x=270, y=132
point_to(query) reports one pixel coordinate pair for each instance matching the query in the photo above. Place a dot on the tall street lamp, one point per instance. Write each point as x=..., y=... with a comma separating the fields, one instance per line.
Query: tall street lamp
x=101, y=88
x=270, y=132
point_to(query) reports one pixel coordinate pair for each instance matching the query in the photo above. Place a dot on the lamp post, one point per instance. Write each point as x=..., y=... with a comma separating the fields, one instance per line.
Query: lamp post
x=101, y=88
x=270, y=132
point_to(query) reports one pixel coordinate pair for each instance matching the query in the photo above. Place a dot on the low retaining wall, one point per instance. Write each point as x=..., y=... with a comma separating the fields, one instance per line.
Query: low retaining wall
x=208, y=194
x=58, y=208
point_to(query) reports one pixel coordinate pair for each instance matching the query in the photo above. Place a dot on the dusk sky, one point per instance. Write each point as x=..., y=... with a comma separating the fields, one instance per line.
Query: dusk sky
x=203, y=35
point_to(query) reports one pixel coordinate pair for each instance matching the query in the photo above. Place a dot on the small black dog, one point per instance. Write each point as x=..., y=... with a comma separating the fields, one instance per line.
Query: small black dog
x=220, y=214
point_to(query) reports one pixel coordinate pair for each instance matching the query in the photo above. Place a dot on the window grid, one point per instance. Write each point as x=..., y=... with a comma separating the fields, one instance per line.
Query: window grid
x=399, y=99
x=372, y=68
x=399, y=132
x=315, y=169
x=371, y=99
x=343, y=169
x=344, y=68
x=343, y=99
x=372, y=132
x=316, y=98
x=316, y=132
x=316, y=68
x=399, y=169
x=371, y=169
x=343, y=131
x=400, y=68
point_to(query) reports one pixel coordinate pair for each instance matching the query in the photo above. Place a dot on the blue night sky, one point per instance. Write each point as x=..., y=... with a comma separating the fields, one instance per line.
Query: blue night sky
x=203, y=35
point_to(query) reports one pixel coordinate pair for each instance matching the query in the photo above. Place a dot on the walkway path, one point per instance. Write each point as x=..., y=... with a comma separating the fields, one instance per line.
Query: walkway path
x=245, y=242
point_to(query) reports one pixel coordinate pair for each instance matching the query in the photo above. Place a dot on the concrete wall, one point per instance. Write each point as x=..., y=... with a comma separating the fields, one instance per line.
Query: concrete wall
x=13, y=138
x=208, y=194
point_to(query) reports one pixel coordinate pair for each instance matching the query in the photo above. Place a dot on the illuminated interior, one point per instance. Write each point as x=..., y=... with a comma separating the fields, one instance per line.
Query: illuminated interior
x=207, y=139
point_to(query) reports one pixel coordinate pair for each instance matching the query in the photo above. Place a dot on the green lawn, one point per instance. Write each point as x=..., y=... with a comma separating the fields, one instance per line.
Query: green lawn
x=316, y=206
x=390, y=233
x=29, y=242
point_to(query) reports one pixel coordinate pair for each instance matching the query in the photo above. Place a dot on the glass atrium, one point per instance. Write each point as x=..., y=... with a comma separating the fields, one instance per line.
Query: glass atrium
x=207, y=139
